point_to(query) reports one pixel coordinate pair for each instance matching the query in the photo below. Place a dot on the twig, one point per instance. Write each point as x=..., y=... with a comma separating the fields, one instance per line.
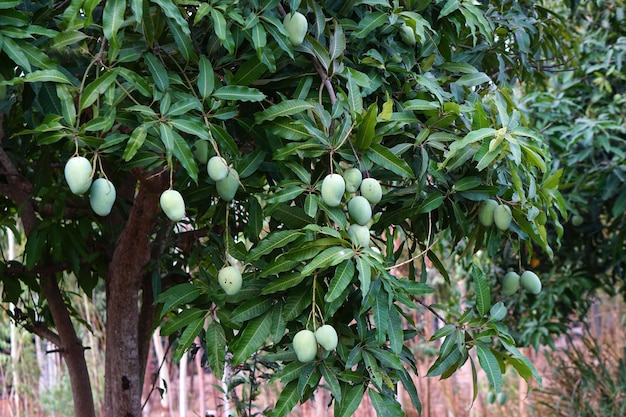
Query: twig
x=432, y=310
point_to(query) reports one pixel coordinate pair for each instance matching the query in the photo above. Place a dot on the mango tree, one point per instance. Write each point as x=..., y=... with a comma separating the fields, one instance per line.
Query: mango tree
x=211, y=130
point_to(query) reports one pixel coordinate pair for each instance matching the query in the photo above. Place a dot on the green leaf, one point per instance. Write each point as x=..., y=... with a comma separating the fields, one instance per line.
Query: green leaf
x=489, y=363
x=337, y=42
x=206, y=77
x=366, y=128
x=340, y=281
x=187, y=337
x=96, y=88
x=332, y=382
x=185, y=318
x=443, y=363
x=298, y=299
x=473, y=79
x=177, y=296
x=385, y=406
x=182, y=152
x=157, y=70
x=183, y=106
x=481, y=287
x=192, y=126
x=273, y=241
x=352, y=398
x=251, y=309
x=287, y=194
x=112, y=20
x=50, y=75
x=355, y=100
x=497, y=311
x=370, y=22
x=395, y=330
x=238, y=93
x=67, y=104
x=432, y=202
x=380, y=309
x=67, y=38
x=287, y=400
x=410, y=388
x=137, y=139
x=383, y=157
x=283, y=109
x=329, y=257
x=167, y=137
x=216, y=348
x=251, y=338
x=219, y=24
x=365, y=274
x=285, y=281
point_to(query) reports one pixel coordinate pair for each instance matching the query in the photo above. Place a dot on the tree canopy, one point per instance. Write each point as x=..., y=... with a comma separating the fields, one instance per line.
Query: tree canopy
x=420, y=97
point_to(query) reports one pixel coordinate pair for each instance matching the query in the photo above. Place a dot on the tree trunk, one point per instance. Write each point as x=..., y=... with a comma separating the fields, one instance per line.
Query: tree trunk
x=71, y=348
x=127, y=336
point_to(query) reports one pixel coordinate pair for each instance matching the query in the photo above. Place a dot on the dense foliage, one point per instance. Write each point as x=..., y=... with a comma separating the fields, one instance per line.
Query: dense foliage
x=418, y=95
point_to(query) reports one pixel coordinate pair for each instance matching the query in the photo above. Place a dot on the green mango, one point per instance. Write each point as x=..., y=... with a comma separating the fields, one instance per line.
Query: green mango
x=371, y=189
x=531, y=282
x=227, y=187
x=502, y=217
x=510, y=283
x=333, y=187
x=102, y=196
x=326, y=336
x=485, y=215
x=78, y=172
x=297, y=26
x=305, y=345
x=173, y=205
x=360, y=210
x=230, y=280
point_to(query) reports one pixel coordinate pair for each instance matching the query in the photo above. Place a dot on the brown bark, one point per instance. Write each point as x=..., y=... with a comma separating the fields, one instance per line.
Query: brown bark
x=66, y=339
x=129, y=309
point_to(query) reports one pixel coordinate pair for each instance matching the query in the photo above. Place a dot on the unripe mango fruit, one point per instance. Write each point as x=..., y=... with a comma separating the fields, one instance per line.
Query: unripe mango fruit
x=173, y=205
x=371, y=189
x=326, y=336
x=407, y=35
x=102, y=196
x=501, y=397
x=217, y=168
x=333, y=187
x=531, y=282
x=297, y=26
x=78, y=174
x=230, y=280
x=360, y=210
x=485, y=215
x=510, y=283
x=577, y=220
x=502, y=217
x=305, y=345
x=353, y=178
x=201, y=150
x=360, y=235
x=227, y=187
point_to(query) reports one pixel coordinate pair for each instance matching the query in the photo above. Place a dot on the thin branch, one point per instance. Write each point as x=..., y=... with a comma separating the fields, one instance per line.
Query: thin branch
x=432, y=310
x=44, y=332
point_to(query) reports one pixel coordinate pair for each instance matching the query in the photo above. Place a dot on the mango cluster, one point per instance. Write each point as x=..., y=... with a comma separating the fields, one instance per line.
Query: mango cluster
x=512, y=281
x=492, y=212
x=305, y=342
x=334, y=186
x=78, y=173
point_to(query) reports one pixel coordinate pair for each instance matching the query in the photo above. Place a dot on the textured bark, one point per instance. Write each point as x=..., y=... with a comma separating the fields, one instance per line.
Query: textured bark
x=71, y=348
x=129, y=306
